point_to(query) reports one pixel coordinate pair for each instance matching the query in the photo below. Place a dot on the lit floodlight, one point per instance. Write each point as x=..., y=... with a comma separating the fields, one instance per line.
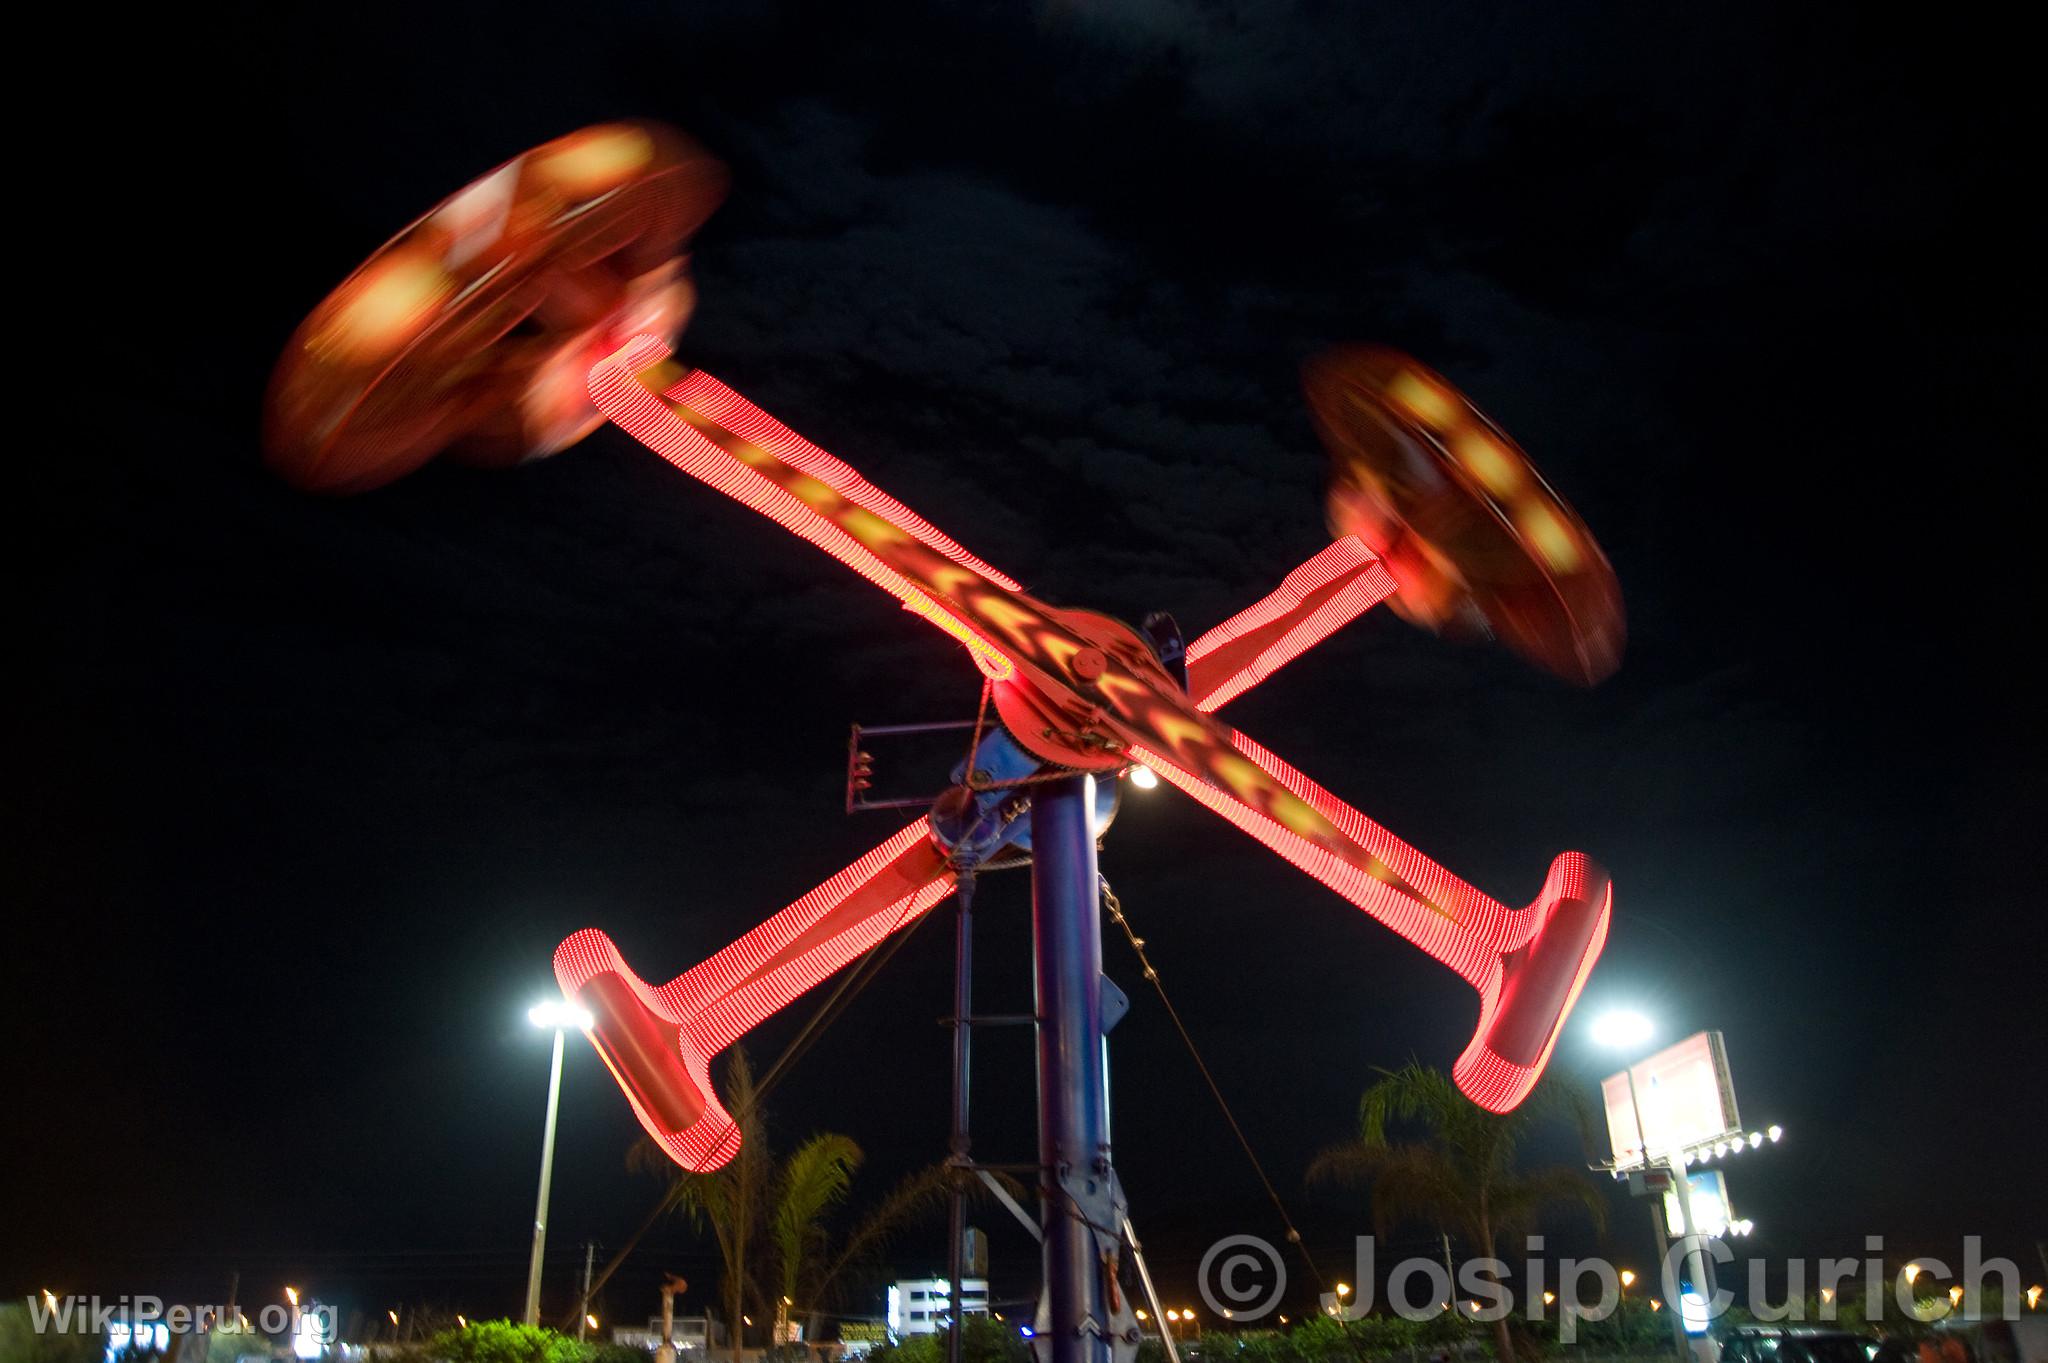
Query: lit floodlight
x=1774, y=1133
x=1622, y=1029
x=1144, y=778
x=559, y=1013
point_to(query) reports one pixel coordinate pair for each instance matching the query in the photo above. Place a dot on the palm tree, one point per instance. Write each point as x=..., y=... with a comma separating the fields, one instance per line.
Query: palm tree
x=1462, y=1174
x=770, y=1219
x=725, y=1200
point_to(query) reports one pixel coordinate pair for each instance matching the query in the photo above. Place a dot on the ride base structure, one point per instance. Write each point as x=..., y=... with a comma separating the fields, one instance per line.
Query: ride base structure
x=463, y=335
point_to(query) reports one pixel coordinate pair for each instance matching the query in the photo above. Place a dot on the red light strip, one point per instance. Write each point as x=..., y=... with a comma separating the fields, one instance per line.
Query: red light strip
x=702, y=1011
x=1313, y=602
x=1468, y=931
x=1489, y=1078
x=805, y=503
x=705, y=394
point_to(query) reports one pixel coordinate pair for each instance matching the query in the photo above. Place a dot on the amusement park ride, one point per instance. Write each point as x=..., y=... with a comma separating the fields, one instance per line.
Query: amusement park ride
x=543, y=299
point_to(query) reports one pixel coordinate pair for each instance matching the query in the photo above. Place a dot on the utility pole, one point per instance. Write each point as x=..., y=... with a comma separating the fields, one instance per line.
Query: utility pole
x=583, y=1311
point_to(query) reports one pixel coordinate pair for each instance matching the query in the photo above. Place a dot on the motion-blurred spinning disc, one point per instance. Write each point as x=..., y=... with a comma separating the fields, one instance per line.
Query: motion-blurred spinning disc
x=473, y=329
x=1478, y=541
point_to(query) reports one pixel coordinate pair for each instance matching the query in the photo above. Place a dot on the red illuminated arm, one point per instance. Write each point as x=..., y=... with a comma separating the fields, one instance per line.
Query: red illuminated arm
x=1528, y=965
x=658, y=1040
x=713, y=434
x=1313, y=602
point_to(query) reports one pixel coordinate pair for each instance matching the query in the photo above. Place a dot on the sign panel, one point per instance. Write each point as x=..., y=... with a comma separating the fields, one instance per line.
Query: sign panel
x=1678, y=1099
x=1711, y=1214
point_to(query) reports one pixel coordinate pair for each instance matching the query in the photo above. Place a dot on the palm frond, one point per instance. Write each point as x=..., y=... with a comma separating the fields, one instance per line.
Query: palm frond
x=924, y=1192
x=814, y=1179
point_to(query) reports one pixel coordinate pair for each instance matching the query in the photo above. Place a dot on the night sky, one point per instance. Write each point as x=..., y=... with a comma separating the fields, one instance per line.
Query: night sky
x=305, y=791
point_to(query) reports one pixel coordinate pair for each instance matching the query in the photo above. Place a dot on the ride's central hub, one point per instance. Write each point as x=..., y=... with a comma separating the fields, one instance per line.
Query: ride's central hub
x=1100, y=670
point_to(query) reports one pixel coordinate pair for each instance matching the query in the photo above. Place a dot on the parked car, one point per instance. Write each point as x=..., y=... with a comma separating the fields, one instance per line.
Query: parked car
x=1796, y=1344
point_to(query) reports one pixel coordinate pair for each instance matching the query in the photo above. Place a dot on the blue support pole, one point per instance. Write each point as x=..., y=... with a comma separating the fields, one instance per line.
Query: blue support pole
x=1082, y=1208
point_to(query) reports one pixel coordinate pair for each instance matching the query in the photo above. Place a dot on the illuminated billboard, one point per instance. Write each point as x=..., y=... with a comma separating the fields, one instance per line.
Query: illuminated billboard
x=1676, y=1100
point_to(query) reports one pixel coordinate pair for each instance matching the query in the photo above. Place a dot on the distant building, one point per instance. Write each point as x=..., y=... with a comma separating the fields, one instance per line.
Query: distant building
x=694, y=1336
x=919, y=1306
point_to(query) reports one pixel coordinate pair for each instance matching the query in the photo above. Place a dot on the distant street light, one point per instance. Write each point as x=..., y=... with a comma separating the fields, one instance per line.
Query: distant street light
x=291, y=1294
x=1628, y=1277
x=558, y=1014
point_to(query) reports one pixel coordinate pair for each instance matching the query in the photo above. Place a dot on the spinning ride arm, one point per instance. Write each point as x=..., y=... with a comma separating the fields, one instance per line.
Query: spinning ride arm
x=1105, y=702
x=658, y=1040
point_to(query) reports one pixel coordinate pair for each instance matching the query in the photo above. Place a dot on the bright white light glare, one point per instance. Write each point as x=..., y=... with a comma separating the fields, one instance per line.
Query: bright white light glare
x=560, y=1013
x=1144, y=778
x=1756, y=1138
x=1693, y=1307
x=1622, y=1029
x=1774, y=1132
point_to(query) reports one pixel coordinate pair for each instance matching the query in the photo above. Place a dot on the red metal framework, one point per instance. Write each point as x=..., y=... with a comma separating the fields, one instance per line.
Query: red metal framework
x=1082, y=691
x=1314, y=601
x=524, y=310
x=658, y=1042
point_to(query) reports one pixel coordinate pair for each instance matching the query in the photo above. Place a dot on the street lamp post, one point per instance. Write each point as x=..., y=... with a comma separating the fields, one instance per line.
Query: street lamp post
x=1629, y=1031
x=559, y=1016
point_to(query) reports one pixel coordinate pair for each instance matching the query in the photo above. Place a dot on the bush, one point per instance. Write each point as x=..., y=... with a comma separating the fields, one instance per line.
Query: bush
x=20, y=1342
x=986, y=1340
x=501, y=1341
